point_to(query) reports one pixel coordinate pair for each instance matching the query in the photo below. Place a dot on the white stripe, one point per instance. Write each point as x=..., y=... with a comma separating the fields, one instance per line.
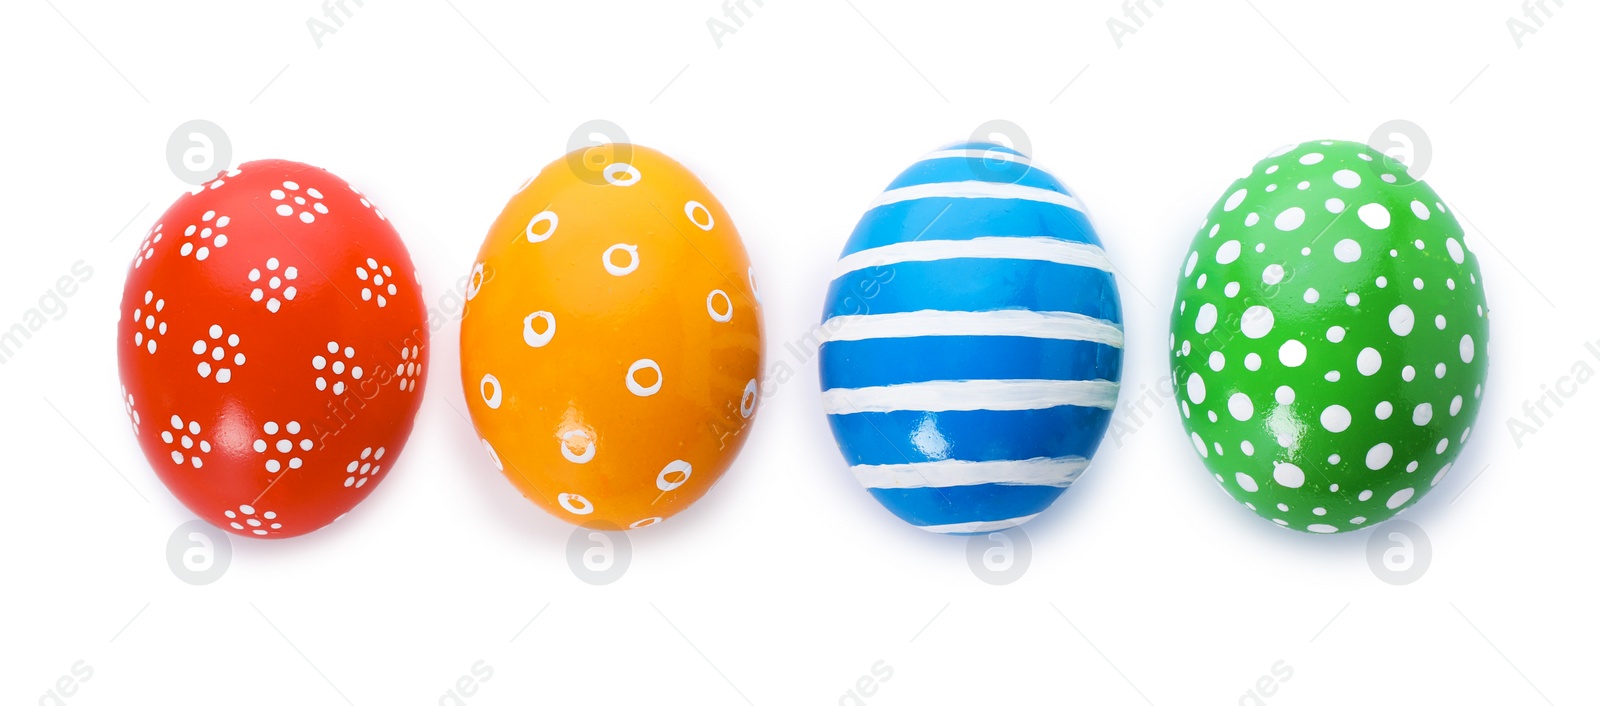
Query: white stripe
x=1058, y=325
x=1054, y=472
x=989, y=247
x=971, y=395
x=975, y=190
x=997, y=155
x=987, y=526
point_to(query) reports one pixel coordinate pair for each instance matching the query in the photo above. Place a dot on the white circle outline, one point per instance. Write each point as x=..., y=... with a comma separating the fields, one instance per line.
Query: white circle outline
x=678, y=465
x=475, y=281
x=635, y=387
x=689, y=209
x=566, y=500
x=494, y=457
x=646, y=522
x=610, y=173
x=538, y=340
x=747, y=402
x=633, y=261
x=711, y=307
x=543, y=217
x=588, y=451
x=489, y=379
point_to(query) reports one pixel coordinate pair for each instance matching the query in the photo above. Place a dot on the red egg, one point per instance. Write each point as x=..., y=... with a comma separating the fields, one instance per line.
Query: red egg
x=272, y=347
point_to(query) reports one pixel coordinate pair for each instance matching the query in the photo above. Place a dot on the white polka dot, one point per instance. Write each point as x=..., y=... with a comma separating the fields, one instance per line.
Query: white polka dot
x=1246, y=482
x=1257, y=321
x=1290, y=218
x=1374, y=215
x=1379, y=456
x=1368, y=361
x=1199, y=445
x=1292, y=353
x=1188, y=268
x=1335, y=334
x=1347, y=250
x=1384, y=410
x=1232, y=289
x=1347, y=179
x=1240, y=407
x=1336, y=419
x=1438, y=370
x=1217, y=361
x=1408, y=373
x=1455, y=406
x=1273, y=274
x=1334, y=205
x=1312, y=158
x=1252, y=361
x=1401, y=319
x=1289, y=475
x=1421, y=210
x=1400, y=498
x=1468, y=349
x=1252, y=219
x=1284, y=394
x=1422, y=414
x=1235, y=199
x=1311, y=296
x=1197, y=388
x=1206, y=319
x=1228, y=252
x=1352, y=299
x=1454, y=247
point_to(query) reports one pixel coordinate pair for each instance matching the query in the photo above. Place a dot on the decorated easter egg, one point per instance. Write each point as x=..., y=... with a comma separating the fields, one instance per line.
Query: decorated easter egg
x=272, y=344
x=971, y=342
x=611, y=341
x=1329, y=338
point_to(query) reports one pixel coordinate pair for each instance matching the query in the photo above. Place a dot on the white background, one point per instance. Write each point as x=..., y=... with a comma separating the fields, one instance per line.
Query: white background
x=788, y=583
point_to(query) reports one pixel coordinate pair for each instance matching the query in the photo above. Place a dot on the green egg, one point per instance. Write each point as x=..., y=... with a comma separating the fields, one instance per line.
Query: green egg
x=1329, y=338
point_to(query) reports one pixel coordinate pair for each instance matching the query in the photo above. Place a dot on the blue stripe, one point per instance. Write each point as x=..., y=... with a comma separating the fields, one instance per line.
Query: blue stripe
x=982, y=146
x=880, y=438
x=950, y=169
x=975, y=284
x=892, y=361
x=965, y=219
x=972, y=503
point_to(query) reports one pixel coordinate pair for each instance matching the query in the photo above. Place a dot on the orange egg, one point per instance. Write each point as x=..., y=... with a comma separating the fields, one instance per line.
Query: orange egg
x=611, y=342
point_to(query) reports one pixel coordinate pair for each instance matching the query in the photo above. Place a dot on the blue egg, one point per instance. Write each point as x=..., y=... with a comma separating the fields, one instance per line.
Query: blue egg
x=971, y=342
